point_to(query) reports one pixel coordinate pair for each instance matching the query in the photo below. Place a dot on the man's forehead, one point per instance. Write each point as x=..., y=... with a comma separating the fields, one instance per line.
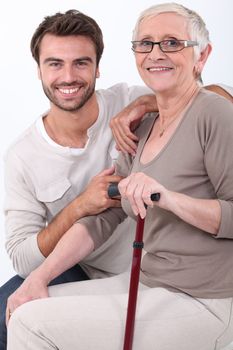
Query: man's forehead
x=66, y=47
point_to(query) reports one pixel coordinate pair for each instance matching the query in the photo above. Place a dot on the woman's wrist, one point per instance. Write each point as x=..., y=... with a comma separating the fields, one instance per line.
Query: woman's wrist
x=42, y=274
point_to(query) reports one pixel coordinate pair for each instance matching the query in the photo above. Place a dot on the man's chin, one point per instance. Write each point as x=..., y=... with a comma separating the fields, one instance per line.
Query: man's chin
x=68, y=107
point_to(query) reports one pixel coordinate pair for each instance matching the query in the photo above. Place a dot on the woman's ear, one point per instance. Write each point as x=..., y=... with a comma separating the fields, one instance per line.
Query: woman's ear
x=199, y=65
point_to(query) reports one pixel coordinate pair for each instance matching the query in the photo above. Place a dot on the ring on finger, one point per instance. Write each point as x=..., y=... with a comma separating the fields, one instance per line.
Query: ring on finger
x=9, y=313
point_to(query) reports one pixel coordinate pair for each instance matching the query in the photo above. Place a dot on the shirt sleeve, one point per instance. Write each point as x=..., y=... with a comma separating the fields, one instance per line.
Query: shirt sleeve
x=24, y=218
x=137, y=91
x=217, y=143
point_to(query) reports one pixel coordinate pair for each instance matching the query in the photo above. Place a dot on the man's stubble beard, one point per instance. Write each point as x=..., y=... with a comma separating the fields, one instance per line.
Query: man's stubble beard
x=85, y=97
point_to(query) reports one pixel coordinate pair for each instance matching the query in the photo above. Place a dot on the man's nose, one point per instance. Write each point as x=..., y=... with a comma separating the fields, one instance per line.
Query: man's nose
x=69, y=73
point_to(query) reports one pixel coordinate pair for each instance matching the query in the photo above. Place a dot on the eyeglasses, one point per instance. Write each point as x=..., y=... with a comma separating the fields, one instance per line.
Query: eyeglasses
x=170, y=45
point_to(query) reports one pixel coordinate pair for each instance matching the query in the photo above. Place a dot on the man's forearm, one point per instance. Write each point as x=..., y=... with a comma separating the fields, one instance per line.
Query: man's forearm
x=93, y=200
x=219, y=90
x=49, y=236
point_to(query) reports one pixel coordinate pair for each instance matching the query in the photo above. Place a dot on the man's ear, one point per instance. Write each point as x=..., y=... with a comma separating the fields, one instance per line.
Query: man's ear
x=202, y=60
x=38, y=72
x=97, y=74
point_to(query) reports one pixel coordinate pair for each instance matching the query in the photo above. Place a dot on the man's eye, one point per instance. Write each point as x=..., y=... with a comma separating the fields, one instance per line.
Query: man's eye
x=54, y=64
x=82, y=63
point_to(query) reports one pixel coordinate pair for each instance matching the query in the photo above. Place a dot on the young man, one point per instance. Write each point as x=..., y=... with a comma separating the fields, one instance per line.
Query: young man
x=49, y=168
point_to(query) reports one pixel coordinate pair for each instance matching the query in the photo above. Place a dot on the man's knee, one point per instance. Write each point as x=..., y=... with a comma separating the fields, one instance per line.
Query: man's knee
x=10, y=286
x=5, y=291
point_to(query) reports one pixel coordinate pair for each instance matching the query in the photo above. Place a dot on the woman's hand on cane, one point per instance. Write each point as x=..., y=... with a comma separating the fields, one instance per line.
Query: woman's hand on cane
x=137, y=188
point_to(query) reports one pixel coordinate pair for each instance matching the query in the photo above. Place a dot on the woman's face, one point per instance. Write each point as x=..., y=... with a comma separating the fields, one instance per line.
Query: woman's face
x=164, y=72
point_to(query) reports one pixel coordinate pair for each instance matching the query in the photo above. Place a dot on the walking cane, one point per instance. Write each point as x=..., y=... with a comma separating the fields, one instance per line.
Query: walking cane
x=135, y=271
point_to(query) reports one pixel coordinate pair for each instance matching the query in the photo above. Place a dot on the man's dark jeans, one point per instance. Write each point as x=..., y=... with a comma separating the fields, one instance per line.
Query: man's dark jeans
x=72, y=275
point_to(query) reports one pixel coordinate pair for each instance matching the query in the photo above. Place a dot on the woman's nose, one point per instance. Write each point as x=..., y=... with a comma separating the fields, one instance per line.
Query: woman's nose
x=156, y=52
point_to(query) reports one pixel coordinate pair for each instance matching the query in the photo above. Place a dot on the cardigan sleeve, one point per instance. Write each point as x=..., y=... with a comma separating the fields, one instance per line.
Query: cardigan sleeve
x=216, y=134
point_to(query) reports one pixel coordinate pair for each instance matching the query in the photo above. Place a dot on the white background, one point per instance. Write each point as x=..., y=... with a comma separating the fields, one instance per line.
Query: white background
x=22, y=99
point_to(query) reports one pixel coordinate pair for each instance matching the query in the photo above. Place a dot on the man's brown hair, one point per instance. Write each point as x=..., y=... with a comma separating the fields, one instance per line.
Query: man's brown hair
x=72, y=22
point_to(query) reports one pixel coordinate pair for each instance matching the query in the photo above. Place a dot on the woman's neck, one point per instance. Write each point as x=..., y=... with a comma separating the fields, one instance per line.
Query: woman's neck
x=171, y=106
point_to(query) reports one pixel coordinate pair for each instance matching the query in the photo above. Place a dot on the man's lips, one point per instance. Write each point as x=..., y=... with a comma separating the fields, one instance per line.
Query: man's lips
x=69, y=91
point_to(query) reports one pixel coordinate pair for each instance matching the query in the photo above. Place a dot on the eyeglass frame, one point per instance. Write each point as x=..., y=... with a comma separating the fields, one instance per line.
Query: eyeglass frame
x=187, y=43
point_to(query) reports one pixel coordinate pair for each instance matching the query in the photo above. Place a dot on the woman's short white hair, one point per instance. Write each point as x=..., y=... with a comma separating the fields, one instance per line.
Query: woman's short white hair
x=195, y=25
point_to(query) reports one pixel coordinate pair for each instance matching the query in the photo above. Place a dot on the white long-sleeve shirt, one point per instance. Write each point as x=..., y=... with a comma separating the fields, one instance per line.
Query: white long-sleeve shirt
x=41, y=178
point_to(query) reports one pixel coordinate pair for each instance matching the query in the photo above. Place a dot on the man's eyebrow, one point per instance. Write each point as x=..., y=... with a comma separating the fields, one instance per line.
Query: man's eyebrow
x=52, y=59
x=84, y=58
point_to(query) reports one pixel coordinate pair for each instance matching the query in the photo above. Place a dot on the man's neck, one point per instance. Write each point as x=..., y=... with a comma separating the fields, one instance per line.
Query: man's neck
x=69, y=129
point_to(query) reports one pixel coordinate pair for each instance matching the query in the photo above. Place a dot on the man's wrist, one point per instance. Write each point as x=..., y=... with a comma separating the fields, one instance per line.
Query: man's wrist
x=148, y=102
x=79, y=208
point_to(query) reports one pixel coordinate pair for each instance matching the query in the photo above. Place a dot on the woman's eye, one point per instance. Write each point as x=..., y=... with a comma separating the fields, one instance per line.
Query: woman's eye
x=173, y=43
x=145, y=43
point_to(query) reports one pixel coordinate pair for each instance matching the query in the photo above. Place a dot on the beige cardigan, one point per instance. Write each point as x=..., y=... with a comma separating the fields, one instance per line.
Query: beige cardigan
x=197, y=161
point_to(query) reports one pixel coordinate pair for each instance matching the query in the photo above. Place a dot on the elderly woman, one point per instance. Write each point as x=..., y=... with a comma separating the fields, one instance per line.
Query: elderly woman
x=185, y=153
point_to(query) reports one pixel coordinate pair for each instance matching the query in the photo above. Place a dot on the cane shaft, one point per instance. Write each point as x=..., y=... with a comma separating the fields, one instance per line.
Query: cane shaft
x=133, y=288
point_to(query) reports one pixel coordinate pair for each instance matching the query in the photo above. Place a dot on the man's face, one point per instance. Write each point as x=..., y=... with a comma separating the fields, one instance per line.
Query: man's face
x=67, y=70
